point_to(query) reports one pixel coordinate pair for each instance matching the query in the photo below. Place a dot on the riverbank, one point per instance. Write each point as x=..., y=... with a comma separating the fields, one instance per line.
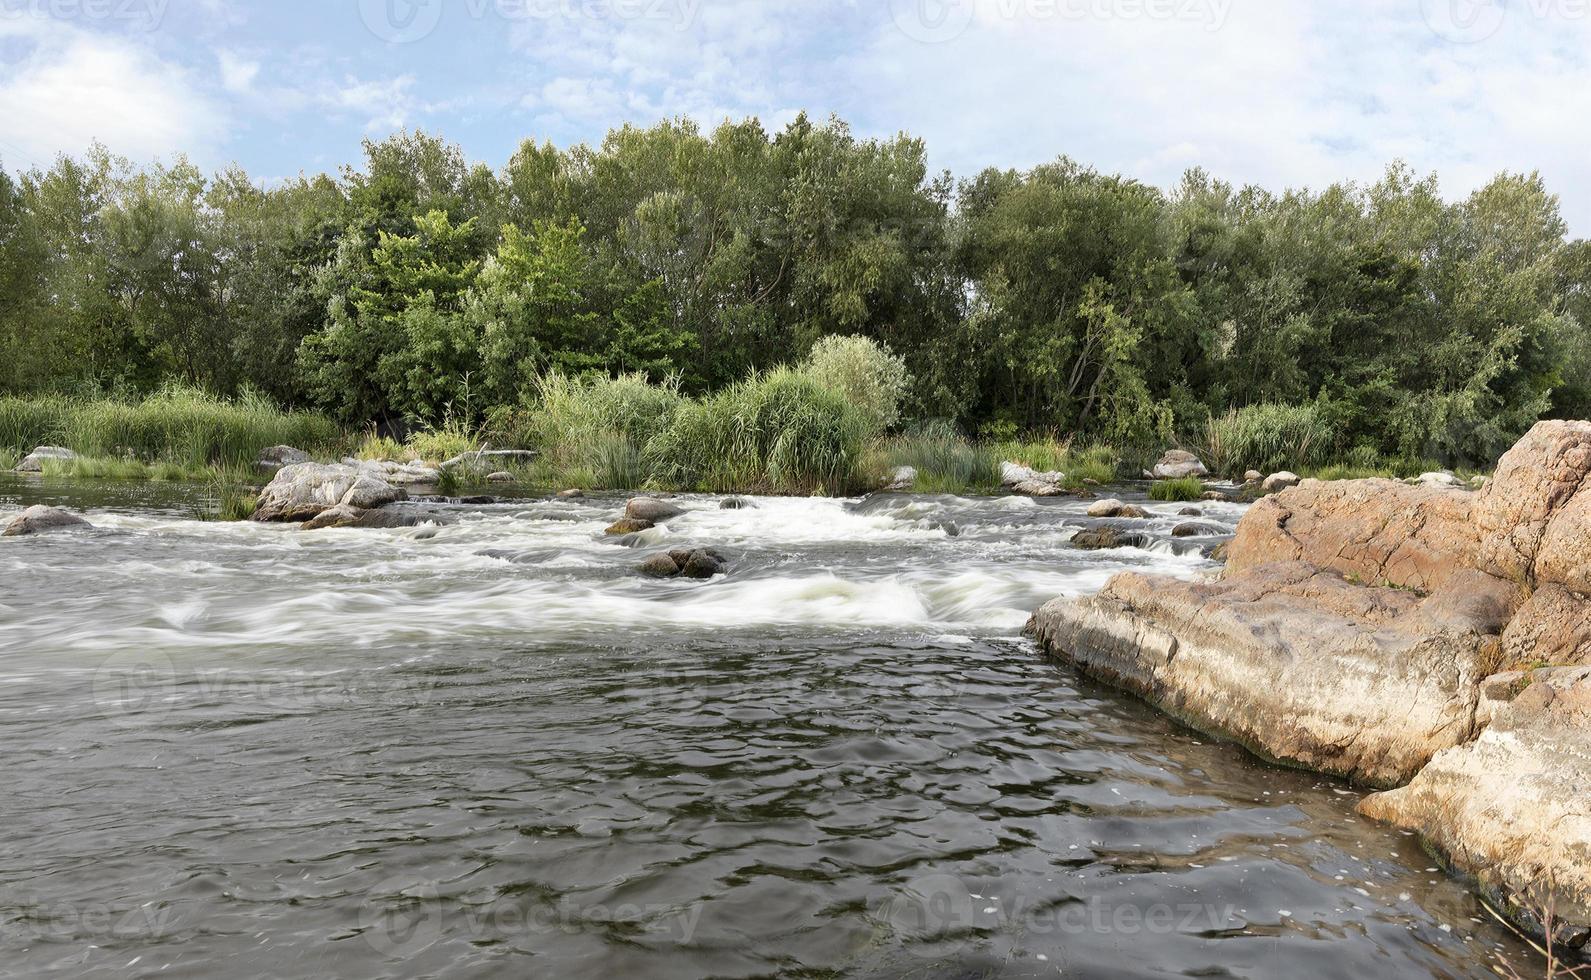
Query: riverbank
x=1427, y=641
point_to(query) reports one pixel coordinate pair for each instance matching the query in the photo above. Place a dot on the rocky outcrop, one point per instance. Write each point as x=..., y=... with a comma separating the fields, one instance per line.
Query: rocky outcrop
x=1367, y=629
x=1514, y=805
x=34, y=462
x=303, y=491
x=41, y=520
x=1178, y=464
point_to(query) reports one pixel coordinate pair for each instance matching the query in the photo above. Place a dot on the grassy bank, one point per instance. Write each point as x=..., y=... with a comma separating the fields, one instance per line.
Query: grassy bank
x=177, y=431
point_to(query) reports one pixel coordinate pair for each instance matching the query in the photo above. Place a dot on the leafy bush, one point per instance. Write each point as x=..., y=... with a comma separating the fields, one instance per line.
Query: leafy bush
x=865, y=372
x=1172, y=491
x=1267, y=438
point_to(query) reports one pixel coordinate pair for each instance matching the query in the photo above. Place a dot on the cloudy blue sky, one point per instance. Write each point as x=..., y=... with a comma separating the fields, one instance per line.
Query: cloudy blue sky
x=1281, y=92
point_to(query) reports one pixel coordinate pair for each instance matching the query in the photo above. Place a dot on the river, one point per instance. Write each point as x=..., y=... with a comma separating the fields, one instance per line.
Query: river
x=491, y=748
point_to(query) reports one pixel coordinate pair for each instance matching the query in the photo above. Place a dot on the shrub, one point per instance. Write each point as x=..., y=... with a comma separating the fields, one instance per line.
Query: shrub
x=1266, y=437
x=1171, y=491
x=594, y=431
x=865, y=372
x=442, y=444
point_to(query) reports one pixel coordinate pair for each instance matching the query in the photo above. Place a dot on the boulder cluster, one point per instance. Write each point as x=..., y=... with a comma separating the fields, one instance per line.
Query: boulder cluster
x=1425, y=640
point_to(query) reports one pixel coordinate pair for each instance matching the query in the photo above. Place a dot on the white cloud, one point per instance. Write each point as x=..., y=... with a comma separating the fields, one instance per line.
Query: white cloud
x=73, y=87
x=237, y=73
x=386, y=104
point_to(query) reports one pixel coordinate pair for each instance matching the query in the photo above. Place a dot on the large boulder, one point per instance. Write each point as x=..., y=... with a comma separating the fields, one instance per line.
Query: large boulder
x=41, y=520
x=302, y=491
x=1028, y=482
x=1178, y=464
x=1277, y=482
x=1359, y=628
x=651, y=509
x=1514, y=805
x=1111, y=507
x=34, y=462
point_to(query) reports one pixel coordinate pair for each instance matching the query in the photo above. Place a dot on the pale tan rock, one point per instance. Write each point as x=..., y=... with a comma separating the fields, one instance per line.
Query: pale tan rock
x=1514, y=805
x=1292, y=661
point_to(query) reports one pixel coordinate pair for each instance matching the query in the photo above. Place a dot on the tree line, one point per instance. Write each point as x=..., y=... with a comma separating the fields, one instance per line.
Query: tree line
x=419, y=288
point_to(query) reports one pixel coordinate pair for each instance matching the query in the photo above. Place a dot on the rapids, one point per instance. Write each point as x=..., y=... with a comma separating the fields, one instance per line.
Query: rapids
x=491, y=747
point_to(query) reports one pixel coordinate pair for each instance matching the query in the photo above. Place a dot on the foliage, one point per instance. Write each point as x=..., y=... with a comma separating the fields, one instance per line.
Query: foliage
x=1266, y=438
x=945, y=462
x=418, y=288
x=175, y=425
x=1173, y=491
x=865, y=372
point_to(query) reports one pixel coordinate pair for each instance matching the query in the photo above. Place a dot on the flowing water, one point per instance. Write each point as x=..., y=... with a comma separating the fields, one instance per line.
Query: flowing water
x=491, y=748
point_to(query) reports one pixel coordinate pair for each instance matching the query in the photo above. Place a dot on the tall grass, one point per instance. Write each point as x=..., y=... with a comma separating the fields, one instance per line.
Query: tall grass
x=179, y=426
x=780, y=432
x=1266, y=437
x=1174, y=491
x=593, y=432
x=945, y=462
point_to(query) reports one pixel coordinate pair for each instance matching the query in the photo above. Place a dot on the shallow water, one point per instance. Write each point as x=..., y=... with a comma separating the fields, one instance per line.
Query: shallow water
x=491, y=747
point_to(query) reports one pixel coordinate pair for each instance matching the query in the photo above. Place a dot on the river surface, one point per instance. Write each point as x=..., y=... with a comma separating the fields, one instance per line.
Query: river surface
x=492, y=749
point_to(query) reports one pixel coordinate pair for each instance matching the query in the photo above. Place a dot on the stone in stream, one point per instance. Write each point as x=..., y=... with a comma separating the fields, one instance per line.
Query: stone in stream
x=571, y=494
x=628, y=525
x=39, y=519
x=1365, y=628
x=34, y=462
x=696, y=563
x=1196, y=529
x=651, y=509
x=347, y=515
x=302, y=491
x=735, y=503
x=1106, y=537
x=1190, y=512
x=1111, y=507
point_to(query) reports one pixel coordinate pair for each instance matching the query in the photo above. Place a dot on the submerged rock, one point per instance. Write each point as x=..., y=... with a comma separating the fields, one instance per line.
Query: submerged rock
x=652, y=510
x=1177, y=464
x=735, y=503
x=1196, y=529
x=347, y=515
x=1105, y=537
x=41, y=520
x=34, y=462
x=302, y=491
x=571, y=494
x=1363, y=628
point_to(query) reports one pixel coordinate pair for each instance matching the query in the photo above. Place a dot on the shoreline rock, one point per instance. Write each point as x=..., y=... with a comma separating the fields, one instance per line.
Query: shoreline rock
x=303, y=491
x=1373, y=630
x=34, y=462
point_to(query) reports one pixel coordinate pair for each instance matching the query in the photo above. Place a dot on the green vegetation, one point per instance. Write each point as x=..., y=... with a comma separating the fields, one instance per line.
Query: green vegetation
x=1174, y=491
x=174, y=430
x=1363, y=324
